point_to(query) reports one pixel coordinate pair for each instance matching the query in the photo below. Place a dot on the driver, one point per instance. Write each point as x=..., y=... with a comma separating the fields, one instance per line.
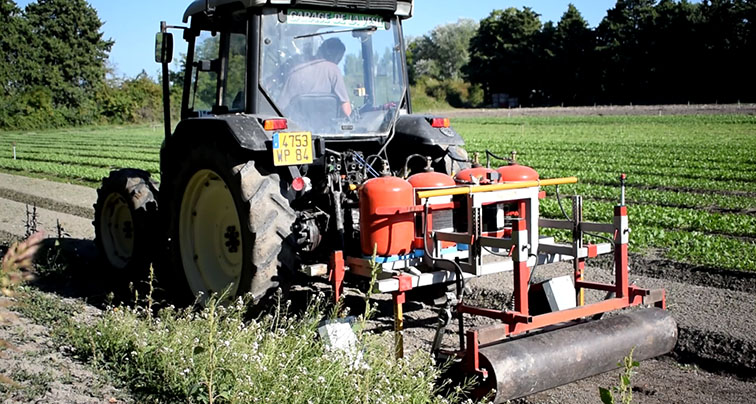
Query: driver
x=321, y=75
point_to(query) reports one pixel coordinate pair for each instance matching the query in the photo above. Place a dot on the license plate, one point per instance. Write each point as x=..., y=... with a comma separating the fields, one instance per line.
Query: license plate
x=292, y=148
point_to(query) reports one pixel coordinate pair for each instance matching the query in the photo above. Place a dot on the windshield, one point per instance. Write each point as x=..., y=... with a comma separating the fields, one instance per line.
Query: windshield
x=333, y=73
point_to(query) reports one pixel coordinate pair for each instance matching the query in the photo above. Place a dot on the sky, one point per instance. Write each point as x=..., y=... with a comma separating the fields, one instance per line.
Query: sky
x=132, y=24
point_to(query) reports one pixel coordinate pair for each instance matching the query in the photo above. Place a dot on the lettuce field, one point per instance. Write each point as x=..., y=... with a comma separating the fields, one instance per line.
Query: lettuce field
x=691, y=186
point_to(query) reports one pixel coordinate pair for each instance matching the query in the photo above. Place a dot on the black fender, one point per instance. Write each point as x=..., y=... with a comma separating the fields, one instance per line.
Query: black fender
x=417, y=129
x=240, y=133
x=415, y=135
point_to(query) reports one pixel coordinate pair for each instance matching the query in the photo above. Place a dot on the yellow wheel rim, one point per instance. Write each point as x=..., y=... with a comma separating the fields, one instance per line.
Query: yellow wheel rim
x=117, y=231
x=210, y=235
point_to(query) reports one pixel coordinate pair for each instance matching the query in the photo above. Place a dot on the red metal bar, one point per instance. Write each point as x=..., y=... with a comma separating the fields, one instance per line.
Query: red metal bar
x=592, y=250
x=472, y=358
x=521, y=270
x=663, y=303
x=518, y=323
x=579, y=277
x=336, y=274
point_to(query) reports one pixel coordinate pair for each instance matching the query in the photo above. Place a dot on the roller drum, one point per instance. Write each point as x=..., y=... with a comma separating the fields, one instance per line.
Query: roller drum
x=540, y=362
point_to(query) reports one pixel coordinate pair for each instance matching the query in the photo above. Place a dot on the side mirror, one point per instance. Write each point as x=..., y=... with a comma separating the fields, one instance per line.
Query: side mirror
x=163, y=47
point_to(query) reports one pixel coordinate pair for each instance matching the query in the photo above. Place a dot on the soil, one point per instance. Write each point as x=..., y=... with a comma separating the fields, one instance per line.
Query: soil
x=713, y=362
x=622, y=110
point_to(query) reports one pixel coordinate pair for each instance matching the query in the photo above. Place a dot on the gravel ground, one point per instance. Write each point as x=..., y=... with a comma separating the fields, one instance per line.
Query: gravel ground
x=715, y=360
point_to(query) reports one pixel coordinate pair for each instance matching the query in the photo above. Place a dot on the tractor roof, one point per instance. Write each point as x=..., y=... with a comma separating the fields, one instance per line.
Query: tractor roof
x=402, y=8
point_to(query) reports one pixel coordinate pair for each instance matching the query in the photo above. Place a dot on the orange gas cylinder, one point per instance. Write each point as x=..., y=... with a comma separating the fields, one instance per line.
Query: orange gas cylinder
x=475, y=175
x=517, y=173
x=441, y=220
x=393, y=233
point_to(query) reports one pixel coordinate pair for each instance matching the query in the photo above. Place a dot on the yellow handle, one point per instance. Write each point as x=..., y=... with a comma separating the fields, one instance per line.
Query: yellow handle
x=474, y=189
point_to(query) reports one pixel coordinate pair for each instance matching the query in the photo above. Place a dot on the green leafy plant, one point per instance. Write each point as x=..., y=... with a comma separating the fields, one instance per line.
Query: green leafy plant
x=623, y=391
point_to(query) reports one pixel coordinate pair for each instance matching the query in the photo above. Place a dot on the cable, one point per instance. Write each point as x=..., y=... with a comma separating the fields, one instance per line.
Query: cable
x=458, y=270
x=559, y=202
x=368, y=167
x=393, y=128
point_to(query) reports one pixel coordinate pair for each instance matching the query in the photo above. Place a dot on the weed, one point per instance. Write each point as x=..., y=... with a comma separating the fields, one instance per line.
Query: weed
x=45, y=309
x=24, y=386
x=213, y=355
x=623, y=391
x=32, y=221
x=16, y=264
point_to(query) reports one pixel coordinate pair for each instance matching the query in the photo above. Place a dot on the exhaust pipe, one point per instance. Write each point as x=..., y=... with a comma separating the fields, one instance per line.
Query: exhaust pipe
x=540, y=362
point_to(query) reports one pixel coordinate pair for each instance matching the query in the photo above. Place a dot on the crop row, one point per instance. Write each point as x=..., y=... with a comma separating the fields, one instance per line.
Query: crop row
x=706, y=200
x=109, y=157
x=658, y=181
x=731, y=224
x=74, y=171
x=693, y=247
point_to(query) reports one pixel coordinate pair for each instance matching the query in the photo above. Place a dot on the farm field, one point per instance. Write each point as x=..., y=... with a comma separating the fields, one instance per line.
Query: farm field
x=691, y=193
x=691, y=179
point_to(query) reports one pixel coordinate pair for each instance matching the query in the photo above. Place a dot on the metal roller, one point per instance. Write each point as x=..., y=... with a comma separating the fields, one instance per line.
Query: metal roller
x=540, y=362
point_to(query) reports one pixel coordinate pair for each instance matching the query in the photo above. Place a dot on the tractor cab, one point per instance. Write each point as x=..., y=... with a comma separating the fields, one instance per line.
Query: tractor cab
x=337, y=72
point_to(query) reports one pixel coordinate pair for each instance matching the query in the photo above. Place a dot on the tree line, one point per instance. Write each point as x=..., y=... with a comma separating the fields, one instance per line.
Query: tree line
x=54, y=71
x=642, y=52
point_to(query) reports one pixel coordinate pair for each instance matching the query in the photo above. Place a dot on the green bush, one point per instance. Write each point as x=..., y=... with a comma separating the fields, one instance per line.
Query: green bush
x=432, y=94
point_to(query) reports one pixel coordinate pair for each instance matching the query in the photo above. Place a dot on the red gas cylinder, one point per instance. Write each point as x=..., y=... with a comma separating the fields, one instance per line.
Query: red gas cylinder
x=431, y=180
x=475, y=175
x=517, y=173
x=392, y=234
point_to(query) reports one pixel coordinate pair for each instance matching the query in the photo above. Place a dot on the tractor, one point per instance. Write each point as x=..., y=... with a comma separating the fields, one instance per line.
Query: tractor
x=297, y=152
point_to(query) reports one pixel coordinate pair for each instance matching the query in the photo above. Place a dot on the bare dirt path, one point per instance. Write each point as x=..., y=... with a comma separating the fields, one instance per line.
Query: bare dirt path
x=714, y=362
x=604, y=110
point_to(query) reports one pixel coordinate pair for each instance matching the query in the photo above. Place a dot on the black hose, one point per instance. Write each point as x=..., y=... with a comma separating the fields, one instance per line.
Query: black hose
x=457, y=269
x=407, y=161
x=490, y=154
x=460, y=281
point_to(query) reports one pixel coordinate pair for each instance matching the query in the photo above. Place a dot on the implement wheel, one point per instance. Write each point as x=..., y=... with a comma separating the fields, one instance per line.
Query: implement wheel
x=126, y=220
x=229, y=227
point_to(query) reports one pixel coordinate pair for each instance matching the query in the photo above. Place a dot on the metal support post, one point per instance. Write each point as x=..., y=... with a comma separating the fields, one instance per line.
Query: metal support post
x=621, y=238
x=400, y=297
x=521, y=270
x=336, y=274
x=577, y=242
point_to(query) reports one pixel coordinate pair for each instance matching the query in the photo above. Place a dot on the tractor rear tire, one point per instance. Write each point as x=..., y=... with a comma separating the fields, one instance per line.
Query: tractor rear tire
x=229, y=227
x=125, y=222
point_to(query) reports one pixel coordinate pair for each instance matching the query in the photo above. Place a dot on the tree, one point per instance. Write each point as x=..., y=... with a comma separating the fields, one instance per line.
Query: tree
x=71, y=52
x=729, y=42
x=442, y=54
x=624, y=42
x=503, y=53
x=575, y=66
x=677, y=52
x=14, y=49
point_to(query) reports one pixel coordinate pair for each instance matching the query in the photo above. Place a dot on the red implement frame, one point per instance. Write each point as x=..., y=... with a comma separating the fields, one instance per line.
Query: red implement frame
x=519, y=320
